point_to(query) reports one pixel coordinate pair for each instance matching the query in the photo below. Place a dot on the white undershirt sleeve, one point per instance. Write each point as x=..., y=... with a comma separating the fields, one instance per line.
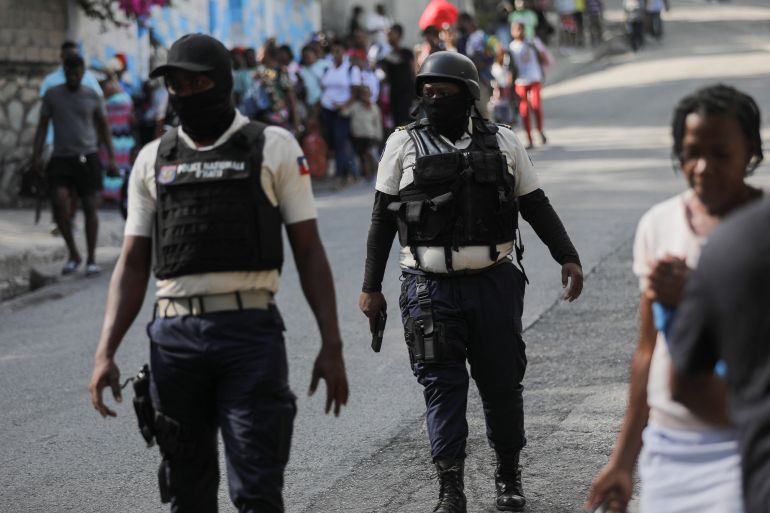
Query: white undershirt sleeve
x=141, y=200
x=390, y=167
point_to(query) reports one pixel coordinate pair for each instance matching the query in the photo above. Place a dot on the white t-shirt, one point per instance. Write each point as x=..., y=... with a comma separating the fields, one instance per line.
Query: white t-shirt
x=283, y=179
x=524, y=54
x=396, y=171
x=370, y=79
x=336, y=84
x=376, y=25
x=665, y=230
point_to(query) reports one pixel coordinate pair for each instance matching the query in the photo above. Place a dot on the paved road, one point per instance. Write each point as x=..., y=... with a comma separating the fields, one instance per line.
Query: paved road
x=608, y=160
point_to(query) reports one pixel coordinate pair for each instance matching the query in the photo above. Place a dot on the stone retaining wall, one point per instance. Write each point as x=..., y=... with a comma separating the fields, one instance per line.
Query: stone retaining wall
x=19, y=112
x=31, y=32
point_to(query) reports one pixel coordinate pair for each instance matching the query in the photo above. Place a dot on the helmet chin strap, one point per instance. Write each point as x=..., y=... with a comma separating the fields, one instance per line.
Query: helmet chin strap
x=475, y=108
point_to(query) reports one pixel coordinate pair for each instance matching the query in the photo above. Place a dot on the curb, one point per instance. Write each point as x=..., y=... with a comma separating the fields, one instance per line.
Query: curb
x=30, y=258
x=19, y=272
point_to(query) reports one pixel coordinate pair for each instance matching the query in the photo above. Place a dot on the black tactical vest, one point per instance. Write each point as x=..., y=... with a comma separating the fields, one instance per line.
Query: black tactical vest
x=458, y=197
x=212, y=214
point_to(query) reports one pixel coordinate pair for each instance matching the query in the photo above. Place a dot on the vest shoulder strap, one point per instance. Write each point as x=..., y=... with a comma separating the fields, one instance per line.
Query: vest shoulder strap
x=485, y=133
x=419, y=147
x=485, y=126
x=426, y=140
x=252, y=132
x=168, y=143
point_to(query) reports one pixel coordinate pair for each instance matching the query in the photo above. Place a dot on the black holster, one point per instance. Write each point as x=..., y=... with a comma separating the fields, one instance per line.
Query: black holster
x=424, y=337
x=145, y=413
x=167, y=432
x=156, y=427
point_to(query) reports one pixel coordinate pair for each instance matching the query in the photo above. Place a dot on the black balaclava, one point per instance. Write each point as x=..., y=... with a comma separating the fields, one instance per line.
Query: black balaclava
x=449, y=115
x=207, y=115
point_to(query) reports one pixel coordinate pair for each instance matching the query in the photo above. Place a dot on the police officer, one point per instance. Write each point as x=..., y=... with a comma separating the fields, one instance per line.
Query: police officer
x=452, y=185
x=206, y=204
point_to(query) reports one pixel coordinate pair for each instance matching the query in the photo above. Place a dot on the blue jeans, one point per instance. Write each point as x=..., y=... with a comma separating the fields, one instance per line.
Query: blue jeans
x=337, y=131
x=226, y=371
x=480, y=317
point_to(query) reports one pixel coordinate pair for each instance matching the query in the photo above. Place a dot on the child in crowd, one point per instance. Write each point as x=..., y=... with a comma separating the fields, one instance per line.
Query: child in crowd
x=366, y=129
x=634, y=22
x=504, y=103
x=527, y=60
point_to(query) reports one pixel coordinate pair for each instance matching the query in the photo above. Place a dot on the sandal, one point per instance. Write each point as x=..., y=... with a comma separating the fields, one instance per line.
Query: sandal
x=70, y=267
x=93, y=270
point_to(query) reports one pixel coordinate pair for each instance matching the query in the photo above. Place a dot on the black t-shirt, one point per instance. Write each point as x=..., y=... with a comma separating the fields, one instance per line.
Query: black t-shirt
x=725, y=315
x=398, y=66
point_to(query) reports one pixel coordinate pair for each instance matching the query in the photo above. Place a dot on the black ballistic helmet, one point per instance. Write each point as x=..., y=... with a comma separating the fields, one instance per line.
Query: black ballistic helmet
x=452, y=67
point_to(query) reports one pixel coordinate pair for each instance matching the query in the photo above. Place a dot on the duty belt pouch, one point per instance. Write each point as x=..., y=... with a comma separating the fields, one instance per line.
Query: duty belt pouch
x=437, y=169
x=486, y=166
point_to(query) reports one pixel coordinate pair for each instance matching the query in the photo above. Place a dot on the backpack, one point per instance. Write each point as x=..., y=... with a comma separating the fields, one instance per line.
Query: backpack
x=256, y=99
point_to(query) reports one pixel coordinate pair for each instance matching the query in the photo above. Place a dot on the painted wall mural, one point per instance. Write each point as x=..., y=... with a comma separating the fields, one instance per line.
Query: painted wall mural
x=246, y=23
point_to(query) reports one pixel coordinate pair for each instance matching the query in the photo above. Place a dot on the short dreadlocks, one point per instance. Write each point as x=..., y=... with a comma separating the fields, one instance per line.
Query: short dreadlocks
x=714, y=100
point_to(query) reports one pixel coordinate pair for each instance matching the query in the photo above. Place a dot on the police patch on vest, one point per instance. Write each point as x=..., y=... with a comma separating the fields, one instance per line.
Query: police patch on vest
x=203, y=171
x=167, y=174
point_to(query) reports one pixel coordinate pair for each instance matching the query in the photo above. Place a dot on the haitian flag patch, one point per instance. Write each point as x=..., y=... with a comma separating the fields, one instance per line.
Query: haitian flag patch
x=304, y=169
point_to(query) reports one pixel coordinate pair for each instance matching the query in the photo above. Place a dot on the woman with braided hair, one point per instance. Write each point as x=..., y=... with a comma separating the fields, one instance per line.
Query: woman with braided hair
x=687, y=463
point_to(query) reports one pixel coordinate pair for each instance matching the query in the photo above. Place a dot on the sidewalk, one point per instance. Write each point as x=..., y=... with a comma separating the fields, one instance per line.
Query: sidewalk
x=30, y=257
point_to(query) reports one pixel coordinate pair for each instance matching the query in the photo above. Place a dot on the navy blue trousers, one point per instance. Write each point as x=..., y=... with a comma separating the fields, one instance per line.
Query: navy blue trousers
x=480, y=316
x=224, y=371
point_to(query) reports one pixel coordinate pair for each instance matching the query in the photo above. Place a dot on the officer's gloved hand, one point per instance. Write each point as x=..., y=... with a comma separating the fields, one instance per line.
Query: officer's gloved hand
x=572, y=275
x=370, y=303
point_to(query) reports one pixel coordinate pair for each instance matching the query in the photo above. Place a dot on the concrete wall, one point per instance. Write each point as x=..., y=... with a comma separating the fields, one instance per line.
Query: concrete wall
x=31, y=30
x=234, y=22
x=30, y=34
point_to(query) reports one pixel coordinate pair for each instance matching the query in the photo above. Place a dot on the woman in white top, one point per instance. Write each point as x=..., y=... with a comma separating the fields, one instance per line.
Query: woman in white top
x=338, y=83
x=687, y=464
x=527, y=59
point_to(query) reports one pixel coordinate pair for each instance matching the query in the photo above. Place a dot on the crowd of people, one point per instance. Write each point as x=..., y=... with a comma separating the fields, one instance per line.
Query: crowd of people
x=344, y=94
x=339, y=98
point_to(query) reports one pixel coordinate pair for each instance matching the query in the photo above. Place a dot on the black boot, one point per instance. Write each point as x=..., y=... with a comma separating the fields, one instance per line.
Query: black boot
x=510, y=495
x=451, y=498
